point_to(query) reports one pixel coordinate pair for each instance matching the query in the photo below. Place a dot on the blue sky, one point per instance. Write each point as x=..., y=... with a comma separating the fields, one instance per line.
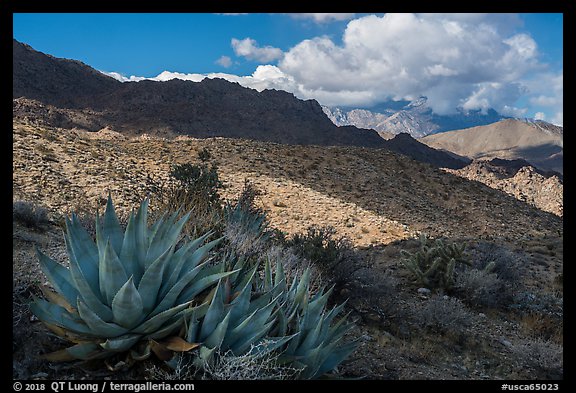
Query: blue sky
x=510, y=62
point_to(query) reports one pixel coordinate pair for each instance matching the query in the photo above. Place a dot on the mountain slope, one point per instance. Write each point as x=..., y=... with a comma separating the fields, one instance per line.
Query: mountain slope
x=213, y=107
x=539, y=143
x=404, y=144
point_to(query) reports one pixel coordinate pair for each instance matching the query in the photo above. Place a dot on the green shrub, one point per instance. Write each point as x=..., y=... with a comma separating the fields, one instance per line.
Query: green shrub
x=191, y=188
x=334, y=257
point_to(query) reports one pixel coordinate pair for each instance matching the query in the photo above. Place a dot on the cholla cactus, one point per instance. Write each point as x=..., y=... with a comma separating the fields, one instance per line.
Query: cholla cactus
x=125, y=287
x=433, y=265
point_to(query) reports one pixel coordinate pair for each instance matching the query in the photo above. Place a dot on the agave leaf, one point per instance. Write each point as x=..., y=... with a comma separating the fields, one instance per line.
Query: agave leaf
x=214, y=314
x=201, y=284
x=188, y=261
x=173, y=324
x=267, y=276
x=313, y=361
x=199, y=255
x=336, y=356
x=302, y=289
x=59, y=277
x=82, y=244
x=58, y=356
x=329, y=317
x=193, y=325
x=240, y=305
x=280, y=276
x=252, y=323
x=154, y=323
x=141, y=233
x=214, y=340
x=84, y=351
x=310, y=339
x=88, y=270
x=174, y=270
x=282, y=324
x=112, y=274
x=65, y=334
x=86, y=293
x=245, y=343
x=127, y=305
x=336, y=331
x=56, y=298
x=247, y=278
x=152, y=280
x=316, y=306
x=111, y=229
x=161, y=351
x=129, y=254
x=173, y=295
x=178, y=344
x=97, y=325
x=122, y=343
x=57, y=315
x=164, y=239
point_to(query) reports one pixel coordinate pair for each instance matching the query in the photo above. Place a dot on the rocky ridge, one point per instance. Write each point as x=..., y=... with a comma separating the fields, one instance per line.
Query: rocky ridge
x=523, y=181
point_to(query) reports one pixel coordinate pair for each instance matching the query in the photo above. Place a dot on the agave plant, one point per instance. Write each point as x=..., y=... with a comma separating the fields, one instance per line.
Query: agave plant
x=125, y=287
x=264, y=310
x=316, y=345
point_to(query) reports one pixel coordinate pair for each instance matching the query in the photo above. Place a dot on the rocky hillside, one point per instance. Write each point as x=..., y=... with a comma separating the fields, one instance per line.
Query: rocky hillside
x=301, y=184
x=75, y=93
x=517, y=178
x=404, y=144
x=379, y=199
x=539, y=143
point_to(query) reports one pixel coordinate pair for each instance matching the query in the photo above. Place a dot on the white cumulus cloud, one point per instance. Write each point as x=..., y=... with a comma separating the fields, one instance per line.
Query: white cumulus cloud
x=539, y=116
x=454, y=61
x=323, y=18
x=249, y=49
x=469, y=61
x=224, y=61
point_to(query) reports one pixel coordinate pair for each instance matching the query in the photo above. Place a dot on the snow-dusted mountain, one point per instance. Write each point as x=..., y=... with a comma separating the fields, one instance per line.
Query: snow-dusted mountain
x=413, y=117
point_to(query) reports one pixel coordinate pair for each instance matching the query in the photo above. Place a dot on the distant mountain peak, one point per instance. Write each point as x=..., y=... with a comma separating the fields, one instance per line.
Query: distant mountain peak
x=414, y=117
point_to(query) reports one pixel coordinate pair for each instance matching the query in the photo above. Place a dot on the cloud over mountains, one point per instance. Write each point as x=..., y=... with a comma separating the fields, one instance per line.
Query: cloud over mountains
x=469, y=61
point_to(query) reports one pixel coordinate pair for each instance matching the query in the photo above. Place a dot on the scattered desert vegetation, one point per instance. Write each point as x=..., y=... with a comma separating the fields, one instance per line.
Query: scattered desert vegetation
x=370, y=290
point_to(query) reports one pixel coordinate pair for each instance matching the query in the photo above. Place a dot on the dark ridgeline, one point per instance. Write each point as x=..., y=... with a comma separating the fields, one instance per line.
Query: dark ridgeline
x=68, y=93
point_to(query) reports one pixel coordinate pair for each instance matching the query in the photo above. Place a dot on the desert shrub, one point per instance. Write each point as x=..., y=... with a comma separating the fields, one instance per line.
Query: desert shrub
x=204, y=155
x=482, y=288
x=444, y=314
x=191, y=188
x=434, y=264
x=256, y=364
x=246, y=225
x=507, y=264
x=30, y=214
x=334, y=257
x=542, y=303
x=541, y=355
